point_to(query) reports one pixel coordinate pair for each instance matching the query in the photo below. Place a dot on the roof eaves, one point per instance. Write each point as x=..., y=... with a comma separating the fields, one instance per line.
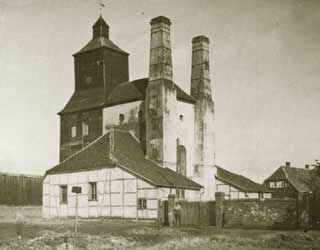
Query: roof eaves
x=80, y=52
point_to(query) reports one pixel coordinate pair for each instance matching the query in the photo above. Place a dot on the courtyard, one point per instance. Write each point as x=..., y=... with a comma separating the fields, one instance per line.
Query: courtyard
x=39, y=233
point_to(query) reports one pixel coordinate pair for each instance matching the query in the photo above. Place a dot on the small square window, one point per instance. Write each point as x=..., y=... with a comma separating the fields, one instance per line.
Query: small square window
x=73, y=131
x=142, y=203
x=63, y=194
x=93, y=191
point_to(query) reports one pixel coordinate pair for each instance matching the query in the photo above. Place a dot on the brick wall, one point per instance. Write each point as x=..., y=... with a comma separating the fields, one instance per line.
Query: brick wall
x=259, y=213
x=68, y=144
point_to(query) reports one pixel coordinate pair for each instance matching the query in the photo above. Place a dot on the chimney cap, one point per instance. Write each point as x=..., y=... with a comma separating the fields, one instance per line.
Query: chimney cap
x=198, y=39
x=288, y=163
x=160, y=19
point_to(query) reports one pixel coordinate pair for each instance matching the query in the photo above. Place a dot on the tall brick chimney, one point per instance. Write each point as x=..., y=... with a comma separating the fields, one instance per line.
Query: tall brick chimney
x=161, y=97
x=204, y=115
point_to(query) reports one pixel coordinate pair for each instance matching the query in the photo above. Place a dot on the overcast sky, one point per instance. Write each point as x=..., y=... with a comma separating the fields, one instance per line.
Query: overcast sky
x=265, y=72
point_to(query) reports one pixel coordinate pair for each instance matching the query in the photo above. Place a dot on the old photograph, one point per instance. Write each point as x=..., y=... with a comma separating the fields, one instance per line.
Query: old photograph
x=160, y=124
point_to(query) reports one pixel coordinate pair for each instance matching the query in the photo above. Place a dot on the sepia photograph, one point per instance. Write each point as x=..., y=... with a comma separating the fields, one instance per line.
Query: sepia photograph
x=160, y=124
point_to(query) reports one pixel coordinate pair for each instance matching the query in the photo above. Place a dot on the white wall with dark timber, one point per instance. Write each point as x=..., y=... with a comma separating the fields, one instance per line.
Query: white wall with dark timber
x=117, y=195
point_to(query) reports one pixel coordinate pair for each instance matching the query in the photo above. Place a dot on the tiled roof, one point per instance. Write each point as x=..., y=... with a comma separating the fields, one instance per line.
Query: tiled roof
x=126, y=154
x=240, y=182
x=100, y=42
x=122, y=93
x=300, y=178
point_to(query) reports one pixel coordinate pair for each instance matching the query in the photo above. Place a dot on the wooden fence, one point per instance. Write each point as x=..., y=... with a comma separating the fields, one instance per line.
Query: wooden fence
x=193, y=213
x=20, y=189
x=198, y=213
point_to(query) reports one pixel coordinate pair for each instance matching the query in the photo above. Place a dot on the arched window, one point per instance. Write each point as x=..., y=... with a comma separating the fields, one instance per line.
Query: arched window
x=181, y=160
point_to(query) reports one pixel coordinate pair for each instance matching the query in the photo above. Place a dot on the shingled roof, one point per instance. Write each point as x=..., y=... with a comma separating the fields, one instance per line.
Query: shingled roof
x=300, y=178
x=240, y=182
x=122, y=93
x=127, y=154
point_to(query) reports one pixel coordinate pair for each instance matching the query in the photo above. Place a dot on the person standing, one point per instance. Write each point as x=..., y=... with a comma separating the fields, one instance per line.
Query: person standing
x=19, y=224
x=177, y=214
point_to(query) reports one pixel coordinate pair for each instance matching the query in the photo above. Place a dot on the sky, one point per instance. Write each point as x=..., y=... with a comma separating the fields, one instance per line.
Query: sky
x=264, y=61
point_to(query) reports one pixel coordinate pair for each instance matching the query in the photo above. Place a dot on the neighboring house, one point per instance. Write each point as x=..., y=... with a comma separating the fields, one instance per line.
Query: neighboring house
x=170, y=133
x=288, y=181
x=239, y=187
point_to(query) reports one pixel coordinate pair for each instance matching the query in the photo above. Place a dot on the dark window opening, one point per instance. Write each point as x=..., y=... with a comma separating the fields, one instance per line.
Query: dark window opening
x=142, y=203
x=93, y=191
x=63, y=194
x=121, y=118
x=181, y=160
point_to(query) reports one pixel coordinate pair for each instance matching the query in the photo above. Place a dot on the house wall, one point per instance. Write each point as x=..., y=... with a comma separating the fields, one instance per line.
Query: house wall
x=185, y=132
x=117, y=193
x=285, y=190
x=234, y=193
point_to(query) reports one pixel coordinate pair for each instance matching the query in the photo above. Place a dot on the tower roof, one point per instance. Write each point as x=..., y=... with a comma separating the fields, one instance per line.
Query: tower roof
x=100, y=38
x=100, y=22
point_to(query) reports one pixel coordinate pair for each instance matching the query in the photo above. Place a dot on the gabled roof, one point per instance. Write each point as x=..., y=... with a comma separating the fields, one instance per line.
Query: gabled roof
x=240, y=182
x=127, y=154
x=300, y=178
x=122, y=93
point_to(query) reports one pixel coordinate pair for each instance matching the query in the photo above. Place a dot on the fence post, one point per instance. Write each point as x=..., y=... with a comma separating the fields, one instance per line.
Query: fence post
x=219, y=209
x=171, y=201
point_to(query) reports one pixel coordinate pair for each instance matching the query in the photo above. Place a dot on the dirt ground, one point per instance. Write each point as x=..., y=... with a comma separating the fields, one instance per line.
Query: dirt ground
x=119, y=234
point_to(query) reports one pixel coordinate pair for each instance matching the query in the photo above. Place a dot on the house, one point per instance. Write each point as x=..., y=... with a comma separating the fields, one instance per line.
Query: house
x=116, y=180
x=239, y=187
x=288, y=181
x=128, y=144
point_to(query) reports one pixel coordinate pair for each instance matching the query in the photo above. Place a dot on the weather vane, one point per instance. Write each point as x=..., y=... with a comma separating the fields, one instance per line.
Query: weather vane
x=101, y=6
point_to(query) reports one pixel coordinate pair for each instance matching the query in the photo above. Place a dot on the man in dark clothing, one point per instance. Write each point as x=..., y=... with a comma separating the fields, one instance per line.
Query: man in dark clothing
x=177, y=214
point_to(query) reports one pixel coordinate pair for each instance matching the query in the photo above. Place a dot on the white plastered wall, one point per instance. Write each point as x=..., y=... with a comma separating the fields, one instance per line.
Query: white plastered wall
x=117, y=192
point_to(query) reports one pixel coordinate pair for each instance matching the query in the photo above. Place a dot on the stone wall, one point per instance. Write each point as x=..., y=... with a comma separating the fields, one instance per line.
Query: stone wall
x=259, y=213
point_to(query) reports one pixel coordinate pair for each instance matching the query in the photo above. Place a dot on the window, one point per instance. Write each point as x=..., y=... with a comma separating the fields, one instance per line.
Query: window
x=63, y=194
x=180, y=193
x=181, y=117
x=73, y=131
x=121, y=118
x=181, y=160
x=93, y=191
x=142, y=203
x=85, y=129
